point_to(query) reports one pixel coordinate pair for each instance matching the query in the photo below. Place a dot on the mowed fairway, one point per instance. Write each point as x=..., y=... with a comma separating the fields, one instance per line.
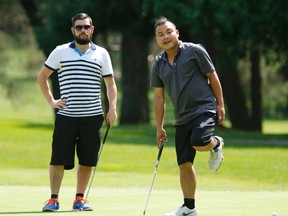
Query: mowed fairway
x=109, y=201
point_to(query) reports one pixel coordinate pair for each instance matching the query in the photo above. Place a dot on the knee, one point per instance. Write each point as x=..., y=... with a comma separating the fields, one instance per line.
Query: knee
x=200, y=140
x=185, y=166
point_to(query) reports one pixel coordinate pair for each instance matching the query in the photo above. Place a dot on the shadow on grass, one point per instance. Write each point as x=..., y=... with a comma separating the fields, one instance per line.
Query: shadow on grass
x=145, y=134
x=32, y=212
x=33, y=125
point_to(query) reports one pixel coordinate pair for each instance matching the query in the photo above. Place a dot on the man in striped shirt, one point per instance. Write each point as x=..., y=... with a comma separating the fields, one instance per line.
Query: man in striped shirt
x=80, y=65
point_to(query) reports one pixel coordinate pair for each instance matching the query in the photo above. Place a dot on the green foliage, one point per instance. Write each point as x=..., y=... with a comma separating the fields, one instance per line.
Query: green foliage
x=55, y=21
x=275, y=90
x=226, y=28
x=229, y=30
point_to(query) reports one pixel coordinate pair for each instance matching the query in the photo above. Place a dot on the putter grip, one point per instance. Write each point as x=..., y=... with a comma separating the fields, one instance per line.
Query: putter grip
x=106, y=133
x=160, y=150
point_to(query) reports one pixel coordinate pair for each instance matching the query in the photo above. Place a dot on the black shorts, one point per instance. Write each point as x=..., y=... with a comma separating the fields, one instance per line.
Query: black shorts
x=197, y=132
x=82, y=134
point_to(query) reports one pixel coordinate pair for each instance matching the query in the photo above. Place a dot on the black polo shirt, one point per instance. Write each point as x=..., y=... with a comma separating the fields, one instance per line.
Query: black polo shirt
x=186, y=82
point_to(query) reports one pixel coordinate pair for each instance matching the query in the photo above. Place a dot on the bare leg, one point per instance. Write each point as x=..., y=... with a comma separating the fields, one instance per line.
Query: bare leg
x=56, y=176
x=207, y=147
x=188, y=180
x=83, y=176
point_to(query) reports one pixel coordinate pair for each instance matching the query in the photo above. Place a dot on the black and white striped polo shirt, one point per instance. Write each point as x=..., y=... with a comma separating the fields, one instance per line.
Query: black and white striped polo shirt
x=80, y=77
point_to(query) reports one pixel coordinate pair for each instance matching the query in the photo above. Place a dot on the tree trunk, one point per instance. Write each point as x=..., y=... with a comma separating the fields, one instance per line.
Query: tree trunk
x=256, y=96
x=134, y=107
x=233, y=93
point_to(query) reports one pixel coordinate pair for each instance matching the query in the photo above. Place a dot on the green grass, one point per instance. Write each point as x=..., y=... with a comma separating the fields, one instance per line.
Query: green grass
x=252, y=181
x=122, y=201
x=26, y=145
x=131, y=201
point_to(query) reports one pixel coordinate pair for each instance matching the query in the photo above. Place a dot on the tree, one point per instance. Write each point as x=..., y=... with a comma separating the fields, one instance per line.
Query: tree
x=44, y=18
x=127, y=19
x=231, y=34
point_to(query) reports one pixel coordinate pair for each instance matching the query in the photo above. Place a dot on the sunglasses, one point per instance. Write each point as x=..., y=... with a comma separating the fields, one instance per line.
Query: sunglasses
x=80, y=27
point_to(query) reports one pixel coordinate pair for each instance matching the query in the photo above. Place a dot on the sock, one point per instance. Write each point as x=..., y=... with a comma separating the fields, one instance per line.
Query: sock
x=80, y=195
x=189, y=203
x=54, y=196
x=217, y=145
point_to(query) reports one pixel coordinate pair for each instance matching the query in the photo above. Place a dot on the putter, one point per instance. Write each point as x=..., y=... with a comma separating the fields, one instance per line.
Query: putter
x=154, y=175
x=98, y=157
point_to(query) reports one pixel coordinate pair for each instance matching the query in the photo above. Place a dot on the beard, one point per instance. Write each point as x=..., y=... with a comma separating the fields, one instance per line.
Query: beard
x=81, y=40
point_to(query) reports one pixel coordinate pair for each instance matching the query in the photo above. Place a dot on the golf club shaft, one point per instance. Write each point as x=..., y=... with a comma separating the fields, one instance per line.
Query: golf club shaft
x=98, y=157
x=154, y=175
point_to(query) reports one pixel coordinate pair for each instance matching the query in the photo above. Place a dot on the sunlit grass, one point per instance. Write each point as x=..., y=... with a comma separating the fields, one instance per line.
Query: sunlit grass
x=131, y=151
x=253, y=161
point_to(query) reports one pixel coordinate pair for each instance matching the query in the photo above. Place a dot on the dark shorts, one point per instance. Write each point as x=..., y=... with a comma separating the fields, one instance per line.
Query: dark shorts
x=82, y=134
x=197, y=132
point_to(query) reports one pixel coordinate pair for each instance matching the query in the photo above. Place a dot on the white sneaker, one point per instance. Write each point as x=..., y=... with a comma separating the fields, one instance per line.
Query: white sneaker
x=183, y=211
x=216, y=157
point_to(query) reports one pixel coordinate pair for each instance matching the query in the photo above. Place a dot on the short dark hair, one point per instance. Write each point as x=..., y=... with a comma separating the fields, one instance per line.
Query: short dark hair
x=161, y=21
x=81, y=16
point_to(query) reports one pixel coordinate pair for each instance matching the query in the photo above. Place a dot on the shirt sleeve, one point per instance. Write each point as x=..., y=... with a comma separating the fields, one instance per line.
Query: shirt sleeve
x=107, y=69
x=155, y=80
x=205, y=63
x=53, y=60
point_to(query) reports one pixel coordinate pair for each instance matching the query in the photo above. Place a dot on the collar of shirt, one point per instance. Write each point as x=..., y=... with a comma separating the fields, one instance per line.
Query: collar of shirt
x=73, y=46
x=163, y=55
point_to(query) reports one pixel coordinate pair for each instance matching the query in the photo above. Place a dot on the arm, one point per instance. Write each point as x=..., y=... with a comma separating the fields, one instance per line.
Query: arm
x=217, y=89
x=159, y=110
x=112, y=99
x=45, y=88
